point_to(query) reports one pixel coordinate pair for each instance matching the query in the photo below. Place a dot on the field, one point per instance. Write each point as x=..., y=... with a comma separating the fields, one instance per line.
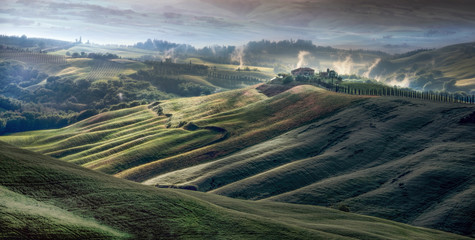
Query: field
x=43, y=198
x=124, y=52
x=47, y=63
x=92, y=70
x=403, y=159
x=139, y=143
x=282, y=152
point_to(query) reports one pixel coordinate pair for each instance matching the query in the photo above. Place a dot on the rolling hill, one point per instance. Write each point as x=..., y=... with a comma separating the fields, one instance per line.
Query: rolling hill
x=449, y=68
x=402, y=159
x=44, y=198
x=139, y=143
x=409, y=161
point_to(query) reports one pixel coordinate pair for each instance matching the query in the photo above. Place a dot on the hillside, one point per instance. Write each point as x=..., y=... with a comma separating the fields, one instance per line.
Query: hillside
x=43, y=198
x=56, y=89
x=449, y=68
x=139, y=143
x=398, y=158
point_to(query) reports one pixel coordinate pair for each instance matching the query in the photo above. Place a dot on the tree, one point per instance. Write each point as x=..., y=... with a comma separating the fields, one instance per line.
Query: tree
x=288, y=80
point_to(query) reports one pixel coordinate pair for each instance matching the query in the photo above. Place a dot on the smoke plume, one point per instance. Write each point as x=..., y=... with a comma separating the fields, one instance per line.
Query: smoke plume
x=169, y=54
x=301, y=57
x=344, y=67
x=238, y=56
x=400, y=83
x=366, y=74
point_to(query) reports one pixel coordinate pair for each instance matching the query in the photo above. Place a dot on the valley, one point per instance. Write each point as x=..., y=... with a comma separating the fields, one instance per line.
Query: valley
x=165, y=139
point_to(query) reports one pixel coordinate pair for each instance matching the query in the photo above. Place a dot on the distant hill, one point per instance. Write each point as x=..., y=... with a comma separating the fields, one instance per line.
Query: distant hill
x=449, y=68
x=43, y=44
x=398, y=158
x=43, y=198
x=56, y=87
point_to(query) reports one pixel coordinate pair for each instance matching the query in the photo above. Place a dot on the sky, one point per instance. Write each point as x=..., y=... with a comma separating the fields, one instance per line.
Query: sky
x=391, y=26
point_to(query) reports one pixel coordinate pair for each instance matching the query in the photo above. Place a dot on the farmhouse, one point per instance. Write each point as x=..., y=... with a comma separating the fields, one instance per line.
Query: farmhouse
x=328, y=74
x=303, y=72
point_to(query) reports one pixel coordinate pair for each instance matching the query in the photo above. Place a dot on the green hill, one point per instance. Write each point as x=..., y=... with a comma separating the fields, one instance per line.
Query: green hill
x=140, y=143
x=449, y=68
x=43, y=198
x=398, y=158
x=404, y=160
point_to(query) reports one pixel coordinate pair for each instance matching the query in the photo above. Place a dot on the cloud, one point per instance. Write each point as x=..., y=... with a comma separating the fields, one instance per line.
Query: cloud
x=172, y=15
x=396, y=46
x=17, y=22
x=214, y=22
x=439, y=33
x=238, y=7
x=371, y=24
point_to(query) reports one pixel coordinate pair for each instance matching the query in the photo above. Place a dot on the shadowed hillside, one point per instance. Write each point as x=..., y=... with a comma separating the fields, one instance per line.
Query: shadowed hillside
x=405, y=160
x=43, y=198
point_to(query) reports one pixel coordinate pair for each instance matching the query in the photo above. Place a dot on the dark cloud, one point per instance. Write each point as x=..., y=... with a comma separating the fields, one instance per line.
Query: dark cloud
x=389, y=25
x=439, y=33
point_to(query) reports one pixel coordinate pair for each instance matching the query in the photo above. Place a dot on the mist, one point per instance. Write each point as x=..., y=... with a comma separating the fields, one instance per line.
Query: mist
x=301, y=56
x=344, y=67
x=238, y=56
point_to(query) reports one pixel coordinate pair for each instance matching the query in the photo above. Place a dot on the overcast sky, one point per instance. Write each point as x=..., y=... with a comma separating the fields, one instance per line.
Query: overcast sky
x=392, y=26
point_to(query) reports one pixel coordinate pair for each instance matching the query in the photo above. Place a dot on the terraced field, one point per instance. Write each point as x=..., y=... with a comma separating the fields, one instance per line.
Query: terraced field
x=43, y=198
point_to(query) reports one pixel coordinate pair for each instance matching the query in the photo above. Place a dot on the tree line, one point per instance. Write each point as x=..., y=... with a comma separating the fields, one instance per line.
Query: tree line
x=377, y=89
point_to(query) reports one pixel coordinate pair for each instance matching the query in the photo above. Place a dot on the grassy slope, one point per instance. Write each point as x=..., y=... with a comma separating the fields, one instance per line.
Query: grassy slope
x=43, y=198
x=125, y=52
x=405, y=160
x=376, y=156
x=455, y=63
x=230, y=67
x=76, y=68
x=136, y=143
x=92, y=69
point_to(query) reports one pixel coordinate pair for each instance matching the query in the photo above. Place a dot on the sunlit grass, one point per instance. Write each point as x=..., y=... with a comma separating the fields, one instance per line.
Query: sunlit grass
x=138, y=144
